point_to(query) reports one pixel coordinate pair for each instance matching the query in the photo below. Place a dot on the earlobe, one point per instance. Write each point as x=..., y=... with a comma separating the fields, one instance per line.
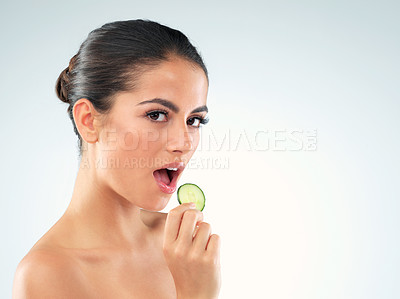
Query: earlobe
x=83, y=112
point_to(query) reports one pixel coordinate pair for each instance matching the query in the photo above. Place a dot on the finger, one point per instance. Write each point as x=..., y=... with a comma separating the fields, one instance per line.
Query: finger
x=189, y=220
x=214, y=244
x=195, y=231
x=201, y=239
x=173, y=222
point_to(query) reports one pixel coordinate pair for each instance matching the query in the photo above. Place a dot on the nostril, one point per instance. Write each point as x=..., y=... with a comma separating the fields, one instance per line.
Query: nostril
x=180, y=146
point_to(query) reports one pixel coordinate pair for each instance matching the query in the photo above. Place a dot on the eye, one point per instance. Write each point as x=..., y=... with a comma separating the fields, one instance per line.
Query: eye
x=155, y=116
x=194, y=121
x=197, y=121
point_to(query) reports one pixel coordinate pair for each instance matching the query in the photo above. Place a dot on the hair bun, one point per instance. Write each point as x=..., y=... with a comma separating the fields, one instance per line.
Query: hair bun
x=63, y=81
x=62, y=86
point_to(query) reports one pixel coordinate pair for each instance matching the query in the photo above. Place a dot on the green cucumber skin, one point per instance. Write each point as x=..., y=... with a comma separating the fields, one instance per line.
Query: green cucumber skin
x=186, y=184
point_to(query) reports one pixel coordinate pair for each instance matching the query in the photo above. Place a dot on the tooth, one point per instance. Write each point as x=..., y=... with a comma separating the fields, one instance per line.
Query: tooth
x=174, y=169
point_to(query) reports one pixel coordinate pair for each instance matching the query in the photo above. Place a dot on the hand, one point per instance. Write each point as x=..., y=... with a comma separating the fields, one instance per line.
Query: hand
x=192, y=254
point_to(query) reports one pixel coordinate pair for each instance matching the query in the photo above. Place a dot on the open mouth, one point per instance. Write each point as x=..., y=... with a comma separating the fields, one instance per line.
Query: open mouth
x=167, y=176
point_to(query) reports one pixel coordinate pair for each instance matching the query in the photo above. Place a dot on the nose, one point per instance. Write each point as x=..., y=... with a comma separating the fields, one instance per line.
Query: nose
x=179, y=140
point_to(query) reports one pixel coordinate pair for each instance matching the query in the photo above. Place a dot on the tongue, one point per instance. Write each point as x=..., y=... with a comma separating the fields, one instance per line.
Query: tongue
x=162, y=175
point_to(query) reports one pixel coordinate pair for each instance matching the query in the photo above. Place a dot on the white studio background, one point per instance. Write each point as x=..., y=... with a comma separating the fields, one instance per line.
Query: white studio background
x=305, y=196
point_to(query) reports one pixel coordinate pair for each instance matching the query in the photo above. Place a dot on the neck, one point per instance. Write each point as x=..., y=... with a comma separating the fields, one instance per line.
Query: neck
x=101, y=218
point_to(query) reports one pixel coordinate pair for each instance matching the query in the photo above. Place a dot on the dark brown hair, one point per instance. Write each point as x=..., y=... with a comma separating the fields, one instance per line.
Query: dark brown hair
x=112, y=58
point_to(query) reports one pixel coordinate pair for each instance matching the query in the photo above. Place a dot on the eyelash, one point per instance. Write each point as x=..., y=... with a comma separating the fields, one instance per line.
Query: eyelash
x=202, y=120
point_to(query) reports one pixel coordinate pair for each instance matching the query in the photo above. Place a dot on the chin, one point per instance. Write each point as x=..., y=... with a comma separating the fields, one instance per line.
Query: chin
x=156, y=205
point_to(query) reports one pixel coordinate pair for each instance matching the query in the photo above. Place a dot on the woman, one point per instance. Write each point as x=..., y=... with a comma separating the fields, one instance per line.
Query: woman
x=137, y=93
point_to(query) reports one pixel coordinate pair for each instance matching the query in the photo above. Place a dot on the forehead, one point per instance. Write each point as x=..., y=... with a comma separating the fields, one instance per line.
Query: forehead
x=176, y=80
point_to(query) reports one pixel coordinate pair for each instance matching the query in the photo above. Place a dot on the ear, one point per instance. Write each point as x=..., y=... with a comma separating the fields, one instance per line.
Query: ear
x=84, y=117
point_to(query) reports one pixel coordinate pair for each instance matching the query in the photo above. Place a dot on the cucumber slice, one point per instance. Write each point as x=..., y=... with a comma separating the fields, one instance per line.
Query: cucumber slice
x=191, y=193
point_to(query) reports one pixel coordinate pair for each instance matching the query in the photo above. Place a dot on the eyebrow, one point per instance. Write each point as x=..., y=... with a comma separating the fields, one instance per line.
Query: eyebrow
x=172, y=106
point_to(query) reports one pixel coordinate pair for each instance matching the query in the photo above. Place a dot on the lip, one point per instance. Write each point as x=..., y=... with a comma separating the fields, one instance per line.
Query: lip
x=169, y=189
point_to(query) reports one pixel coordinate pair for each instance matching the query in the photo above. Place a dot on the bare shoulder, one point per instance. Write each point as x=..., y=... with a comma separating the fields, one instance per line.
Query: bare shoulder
x=45, y=273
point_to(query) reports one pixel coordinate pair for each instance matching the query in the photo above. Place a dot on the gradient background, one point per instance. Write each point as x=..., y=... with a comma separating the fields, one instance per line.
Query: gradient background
x=316, y=217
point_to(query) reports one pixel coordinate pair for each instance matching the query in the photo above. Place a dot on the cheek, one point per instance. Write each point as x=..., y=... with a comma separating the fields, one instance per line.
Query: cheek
x=128, y=164
x=151, y=140
x=133, y=140
x=196, y=140
x=141, y=145
x=130, y=140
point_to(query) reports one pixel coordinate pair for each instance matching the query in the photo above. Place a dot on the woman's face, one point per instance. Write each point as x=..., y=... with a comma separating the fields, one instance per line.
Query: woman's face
x=150, y=127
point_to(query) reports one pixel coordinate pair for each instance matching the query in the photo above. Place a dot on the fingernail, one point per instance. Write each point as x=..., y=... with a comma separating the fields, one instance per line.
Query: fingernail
x=192, y=205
